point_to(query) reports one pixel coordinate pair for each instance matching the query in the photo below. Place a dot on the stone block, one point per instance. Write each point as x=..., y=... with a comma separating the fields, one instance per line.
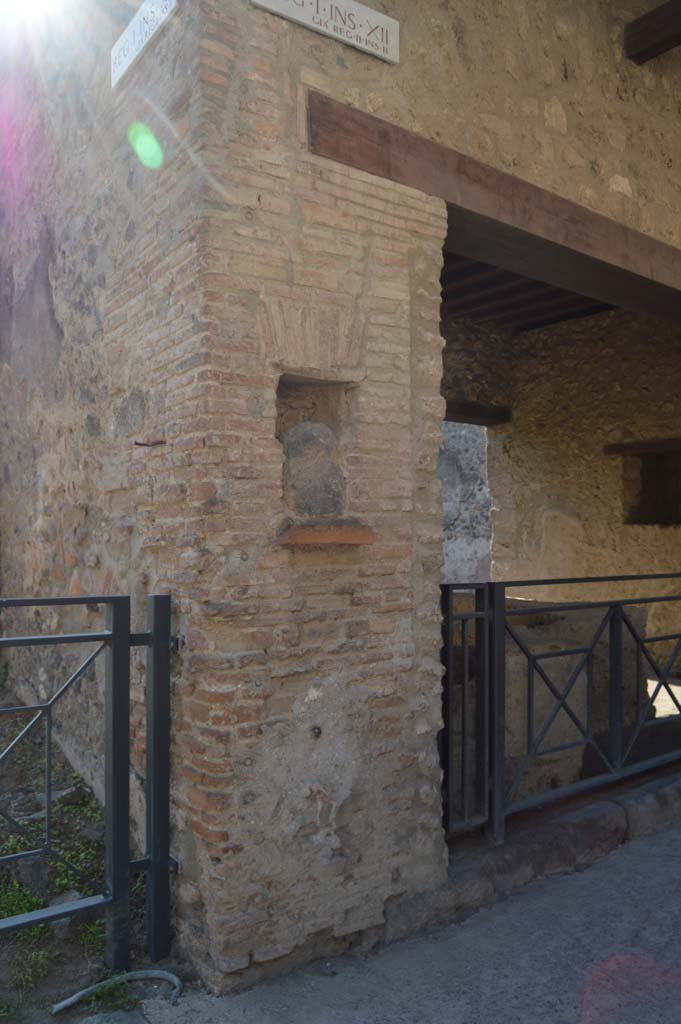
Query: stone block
x=595, y=830
x=652, y=806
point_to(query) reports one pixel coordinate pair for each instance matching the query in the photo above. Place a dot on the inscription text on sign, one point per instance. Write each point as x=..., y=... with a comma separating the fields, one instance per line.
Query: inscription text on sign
x=143, y=26
x=348, y=21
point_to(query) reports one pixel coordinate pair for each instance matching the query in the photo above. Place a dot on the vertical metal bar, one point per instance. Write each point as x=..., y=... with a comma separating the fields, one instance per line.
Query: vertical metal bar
x=48, y=778
x=530, y=706
x=497, y=809
x=158, y=778
x=616, y=686
x=117, y=784
x=465, y=795
x=448, y=707
x=639, y=668
x=481, y=701
x=590, y=695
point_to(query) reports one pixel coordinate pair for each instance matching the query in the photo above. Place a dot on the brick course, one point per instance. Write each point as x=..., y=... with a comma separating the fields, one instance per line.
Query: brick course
x=307, y=696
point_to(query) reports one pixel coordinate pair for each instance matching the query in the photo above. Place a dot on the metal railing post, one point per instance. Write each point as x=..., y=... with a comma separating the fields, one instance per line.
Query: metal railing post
x=497, y=683
x=616, y=686
x=482, y=689
x=448, y=735
x=158, y=778
x=117, y=784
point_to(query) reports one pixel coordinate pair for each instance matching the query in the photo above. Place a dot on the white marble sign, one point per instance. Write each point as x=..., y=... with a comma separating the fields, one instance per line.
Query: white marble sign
x=143, y=26
x=347, y=21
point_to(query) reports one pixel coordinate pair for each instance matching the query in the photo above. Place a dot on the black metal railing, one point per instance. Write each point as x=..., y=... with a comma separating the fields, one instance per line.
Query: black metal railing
x=114, y=644
x=545, y=699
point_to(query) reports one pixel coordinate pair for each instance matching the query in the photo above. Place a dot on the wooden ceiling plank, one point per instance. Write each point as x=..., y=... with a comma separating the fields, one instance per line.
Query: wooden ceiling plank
x=521, y=252
x=479, y=274
x=546, y=321
x=566, y=303
x=520, y=300
x=480, y=295
x=461, y=411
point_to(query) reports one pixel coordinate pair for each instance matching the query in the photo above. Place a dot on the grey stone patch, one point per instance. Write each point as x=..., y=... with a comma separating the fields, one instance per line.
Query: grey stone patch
x=92, y=831
x=130, y=413
x=71, y=797
x=93, y=427
x=314, y=483
x=33, y=873
x=467, y=503
x=62, y=926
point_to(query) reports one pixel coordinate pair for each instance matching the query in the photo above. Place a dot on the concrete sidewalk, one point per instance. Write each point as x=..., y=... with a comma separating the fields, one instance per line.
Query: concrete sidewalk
x=596, y=947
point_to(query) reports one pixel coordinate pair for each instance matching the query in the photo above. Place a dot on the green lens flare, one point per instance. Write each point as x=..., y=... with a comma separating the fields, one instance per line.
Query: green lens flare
x=146, y=145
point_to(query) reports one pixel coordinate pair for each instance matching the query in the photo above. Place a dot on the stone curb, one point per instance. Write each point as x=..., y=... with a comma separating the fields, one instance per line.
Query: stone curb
x=652, y=806
x=566, y=842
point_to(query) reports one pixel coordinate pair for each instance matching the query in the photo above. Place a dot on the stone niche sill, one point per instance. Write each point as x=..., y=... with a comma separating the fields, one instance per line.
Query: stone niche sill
x=345, y=532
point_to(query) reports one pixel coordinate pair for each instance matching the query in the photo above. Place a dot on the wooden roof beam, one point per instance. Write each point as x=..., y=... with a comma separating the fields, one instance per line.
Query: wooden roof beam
x=478, y=413
x=654, y=33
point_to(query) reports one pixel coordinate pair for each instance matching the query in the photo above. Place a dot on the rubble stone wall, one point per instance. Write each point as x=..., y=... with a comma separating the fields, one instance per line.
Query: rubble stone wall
x=100, y=333
x=560, y=504
x=173, y=306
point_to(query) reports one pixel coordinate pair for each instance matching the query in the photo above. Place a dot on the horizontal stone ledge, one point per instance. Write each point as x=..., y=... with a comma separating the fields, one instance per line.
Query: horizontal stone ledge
x=314, y=534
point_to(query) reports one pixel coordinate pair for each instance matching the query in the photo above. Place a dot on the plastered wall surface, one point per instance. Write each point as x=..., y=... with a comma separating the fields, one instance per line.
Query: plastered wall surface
x=561, y=507
x=614, y=378
x=307, y=700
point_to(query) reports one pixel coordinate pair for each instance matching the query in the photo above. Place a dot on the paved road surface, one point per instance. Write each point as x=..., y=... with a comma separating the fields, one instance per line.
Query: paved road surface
x=599, y=947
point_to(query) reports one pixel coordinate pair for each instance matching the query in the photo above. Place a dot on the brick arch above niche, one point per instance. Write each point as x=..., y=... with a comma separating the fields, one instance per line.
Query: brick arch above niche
x=323, y=333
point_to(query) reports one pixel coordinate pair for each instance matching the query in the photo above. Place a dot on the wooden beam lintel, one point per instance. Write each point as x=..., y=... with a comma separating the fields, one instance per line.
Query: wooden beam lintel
x=503, y=221
x=478, y=413
x=659, y=446
x=654, y=33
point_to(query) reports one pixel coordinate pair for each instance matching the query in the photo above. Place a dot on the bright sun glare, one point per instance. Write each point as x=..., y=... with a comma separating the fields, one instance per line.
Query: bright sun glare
x=27, y=11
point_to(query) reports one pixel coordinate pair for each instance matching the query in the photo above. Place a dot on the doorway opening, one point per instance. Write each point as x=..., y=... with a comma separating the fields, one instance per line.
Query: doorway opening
x=561, y=413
